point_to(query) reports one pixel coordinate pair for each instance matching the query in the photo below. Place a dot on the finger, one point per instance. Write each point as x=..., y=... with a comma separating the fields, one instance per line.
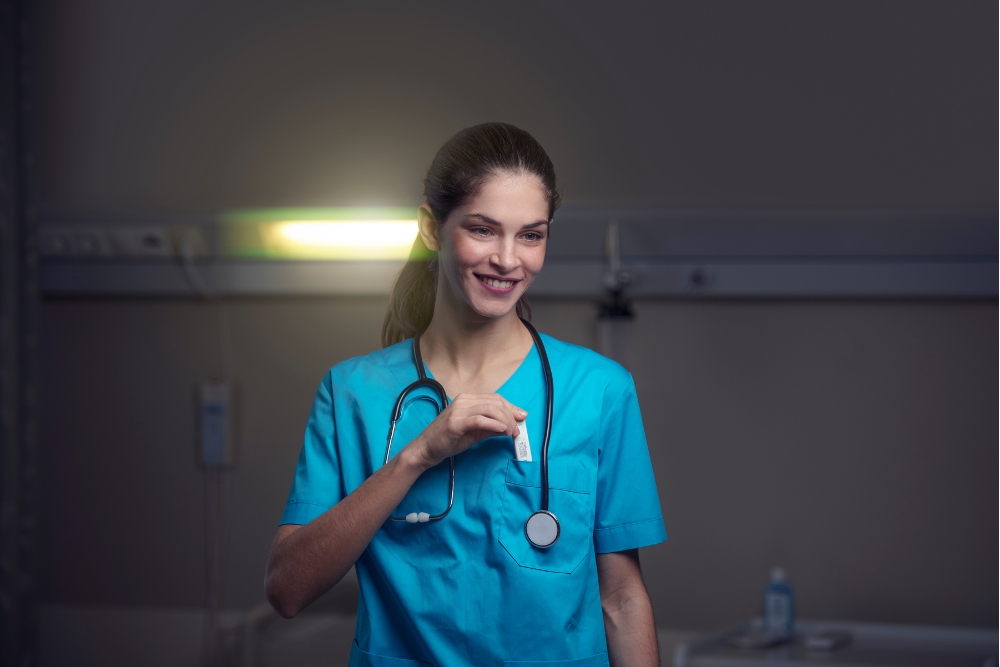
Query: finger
x=505, y=412
x=483, y=402
x=515, y=414
x=485, y=423
x=499, y=412
x=518, y=413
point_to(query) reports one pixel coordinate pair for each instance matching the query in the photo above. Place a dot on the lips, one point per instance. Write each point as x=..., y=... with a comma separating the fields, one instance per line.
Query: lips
x=497, y=285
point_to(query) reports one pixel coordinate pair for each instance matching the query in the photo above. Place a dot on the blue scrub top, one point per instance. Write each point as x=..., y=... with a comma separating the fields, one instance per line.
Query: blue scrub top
x=470, y=589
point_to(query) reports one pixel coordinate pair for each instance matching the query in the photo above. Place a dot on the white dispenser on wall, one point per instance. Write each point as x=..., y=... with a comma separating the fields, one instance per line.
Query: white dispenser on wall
x=216, y=446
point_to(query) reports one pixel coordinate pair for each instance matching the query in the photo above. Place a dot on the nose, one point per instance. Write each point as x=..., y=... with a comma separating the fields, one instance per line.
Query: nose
x=505, y=258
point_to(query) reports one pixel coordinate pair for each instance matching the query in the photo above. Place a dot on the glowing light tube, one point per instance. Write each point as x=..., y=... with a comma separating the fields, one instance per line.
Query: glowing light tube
x=343, y=239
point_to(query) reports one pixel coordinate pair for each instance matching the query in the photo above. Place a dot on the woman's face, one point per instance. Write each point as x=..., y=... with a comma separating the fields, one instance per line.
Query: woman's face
x=493, y=246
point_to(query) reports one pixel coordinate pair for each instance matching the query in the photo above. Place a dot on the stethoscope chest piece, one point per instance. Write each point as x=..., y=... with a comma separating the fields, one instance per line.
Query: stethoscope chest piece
x=542, y=529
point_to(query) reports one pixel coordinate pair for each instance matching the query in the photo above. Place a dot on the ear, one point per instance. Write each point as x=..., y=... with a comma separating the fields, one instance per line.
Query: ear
x=428, y=228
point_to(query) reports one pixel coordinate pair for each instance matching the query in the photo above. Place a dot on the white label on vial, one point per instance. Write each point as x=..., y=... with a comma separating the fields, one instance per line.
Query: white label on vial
x=522, y=448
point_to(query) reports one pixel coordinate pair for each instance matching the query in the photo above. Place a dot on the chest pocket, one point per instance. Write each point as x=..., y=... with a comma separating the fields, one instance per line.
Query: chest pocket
x=570, y=499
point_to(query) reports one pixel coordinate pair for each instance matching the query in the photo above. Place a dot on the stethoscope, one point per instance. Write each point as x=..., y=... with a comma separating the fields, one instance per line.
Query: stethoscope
x=542, y=527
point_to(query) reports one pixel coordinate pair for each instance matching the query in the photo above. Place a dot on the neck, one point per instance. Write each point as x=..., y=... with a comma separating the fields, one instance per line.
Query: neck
x=462, y=342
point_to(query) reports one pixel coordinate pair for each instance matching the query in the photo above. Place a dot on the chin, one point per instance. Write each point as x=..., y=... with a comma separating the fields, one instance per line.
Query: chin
x=495, y=308
x=494, y=311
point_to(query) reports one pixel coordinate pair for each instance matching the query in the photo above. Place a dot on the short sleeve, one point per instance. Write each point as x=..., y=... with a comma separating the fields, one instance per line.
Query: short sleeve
x=628, y=512
x=318, y=483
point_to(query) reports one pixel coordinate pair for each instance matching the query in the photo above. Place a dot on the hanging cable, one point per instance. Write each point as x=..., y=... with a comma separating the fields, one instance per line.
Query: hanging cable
x=218, y=487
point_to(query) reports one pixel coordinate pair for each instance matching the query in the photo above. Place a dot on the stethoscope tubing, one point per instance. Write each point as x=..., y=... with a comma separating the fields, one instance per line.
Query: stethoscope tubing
x=549, y=391
x=424, y=381
x=397, y=412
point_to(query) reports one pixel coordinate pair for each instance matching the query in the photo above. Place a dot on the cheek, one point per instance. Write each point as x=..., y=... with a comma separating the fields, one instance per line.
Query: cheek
x=466, y=252
x=533, y=259
x=456, y=258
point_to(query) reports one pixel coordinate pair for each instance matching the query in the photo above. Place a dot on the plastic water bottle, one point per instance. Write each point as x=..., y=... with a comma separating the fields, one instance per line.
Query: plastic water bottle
x=779, y=605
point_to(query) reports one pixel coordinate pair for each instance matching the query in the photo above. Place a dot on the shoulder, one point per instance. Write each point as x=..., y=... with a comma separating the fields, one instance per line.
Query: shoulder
x=585, y=366
x=376, y=368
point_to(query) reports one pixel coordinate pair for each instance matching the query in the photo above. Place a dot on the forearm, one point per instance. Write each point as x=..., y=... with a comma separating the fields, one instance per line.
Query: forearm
x=309, y=561
x=630, y=629
x=628, y=614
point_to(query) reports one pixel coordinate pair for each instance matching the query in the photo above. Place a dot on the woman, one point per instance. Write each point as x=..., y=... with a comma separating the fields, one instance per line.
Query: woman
x=469, y=588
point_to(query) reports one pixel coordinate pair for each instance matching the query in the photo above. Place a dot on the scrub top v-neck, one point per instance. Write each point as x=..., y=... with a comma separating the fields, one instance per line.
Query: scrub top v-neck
x=470, y=589
x=503, y=387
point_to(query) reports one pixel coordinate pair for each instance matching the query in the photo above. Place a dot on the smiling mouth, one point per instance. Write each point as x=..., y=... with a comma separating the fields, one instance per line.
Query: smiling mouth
x=497, y=284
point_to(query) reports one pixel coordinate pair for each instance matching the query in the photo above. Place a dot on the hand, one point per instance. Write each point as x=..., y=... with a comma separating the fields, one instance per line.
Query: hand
x=467, y=420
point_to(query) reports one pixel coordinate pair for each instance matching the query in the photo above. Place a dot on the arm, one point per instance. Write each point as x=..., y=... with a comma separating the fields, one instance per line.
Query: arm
x=306, y=561
x=628, y=614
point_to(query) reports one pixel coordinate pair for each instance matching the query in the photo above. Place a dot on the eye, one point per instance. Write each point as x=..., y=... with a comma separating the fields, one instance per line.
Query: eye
x=481, y=231
x=532, y=237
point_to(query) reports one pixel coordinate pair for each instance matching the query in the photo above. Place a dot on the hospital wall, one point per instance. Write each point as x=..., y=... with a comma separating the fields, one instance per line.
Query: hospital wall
x=199, y=105
x=853, y=443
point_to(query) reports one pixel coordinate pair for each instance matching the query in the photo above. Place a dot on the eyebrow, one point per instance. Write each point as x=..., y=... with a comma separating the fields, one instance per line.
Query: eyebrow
x=490, y=221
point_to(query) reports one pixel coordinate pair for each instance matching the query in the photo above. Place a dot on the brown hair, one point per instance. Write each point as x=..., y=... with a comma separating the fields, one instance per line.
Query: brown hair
x=456, y=174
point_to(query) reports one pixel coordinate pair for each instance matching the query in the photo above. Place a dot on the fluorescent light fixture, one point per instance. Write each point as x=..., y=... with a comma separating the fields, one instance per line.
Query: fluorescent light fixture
x=321, y=234
x=343, y=239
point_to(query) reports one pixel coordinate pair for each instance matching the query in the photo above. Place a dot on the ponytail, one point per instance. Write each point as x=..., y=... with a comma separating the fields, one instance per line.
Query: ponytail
x=411, y=303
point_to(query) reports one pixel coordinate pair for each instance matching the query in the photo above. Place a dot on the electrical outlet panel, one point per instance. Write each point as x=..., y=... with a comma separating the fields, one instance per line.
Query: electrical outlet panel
x=141, y=242
x=122, y=241
x=72, y=242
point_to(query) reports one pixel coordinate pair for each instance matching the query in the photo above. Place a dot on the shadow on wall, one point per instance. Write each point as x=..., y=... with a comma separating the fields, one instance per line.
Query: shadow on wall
x=191, y=105
x=310, y=105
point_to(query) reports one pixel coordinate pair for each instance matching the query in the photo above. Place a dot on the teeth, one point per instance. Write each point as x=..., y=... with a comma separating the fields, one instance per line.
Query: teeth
x=498, y=284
